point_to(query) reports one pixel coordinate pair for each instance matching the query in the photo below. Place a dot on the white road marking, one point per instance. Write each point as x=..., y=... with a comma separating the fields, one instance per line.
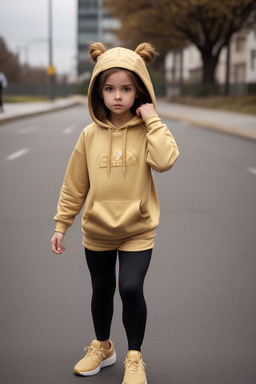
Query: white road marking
x=69, y=130
x=25, y=130
x=17, y=154
x=252, y=170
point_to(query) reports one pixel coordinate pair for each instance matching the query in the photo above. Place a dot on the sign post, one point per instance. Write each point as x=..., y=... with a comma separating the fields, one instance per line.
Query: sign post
x=51, y=69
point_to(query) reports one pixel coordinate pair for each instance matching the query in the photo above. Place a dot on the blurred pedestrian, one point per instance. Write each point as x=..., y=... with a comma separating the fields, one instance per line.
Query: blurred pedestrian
x=111, y=168
x=3, y=84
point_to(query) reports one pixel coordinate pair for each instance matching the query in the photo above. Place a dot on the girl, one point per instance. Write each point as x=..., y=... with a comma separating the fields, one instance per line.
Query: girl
x=111, y=169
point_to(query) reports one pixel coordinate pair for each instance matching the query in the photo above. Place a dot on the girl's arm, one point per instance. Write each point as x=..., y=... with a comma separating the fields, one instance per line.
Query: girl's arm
x=74, y=189
x=162, y=150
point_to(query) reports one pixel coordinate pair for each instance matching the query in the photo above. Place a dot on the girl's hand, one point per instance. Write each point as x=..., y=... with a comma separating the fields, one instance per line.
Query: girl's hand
x=146, y=110
x=56, y=241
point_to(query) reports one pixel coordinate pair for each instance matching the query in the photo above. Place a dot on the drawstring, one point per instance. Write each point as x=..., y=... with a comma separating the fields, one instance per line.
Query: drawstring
x=110, y=151
x=124, y=166
x=124, y=152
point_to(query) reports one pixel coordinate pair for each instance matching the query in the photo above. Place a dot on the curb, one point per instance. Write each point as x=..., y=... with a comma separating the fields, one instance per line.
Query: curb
x=37, y=113
x=208, y=125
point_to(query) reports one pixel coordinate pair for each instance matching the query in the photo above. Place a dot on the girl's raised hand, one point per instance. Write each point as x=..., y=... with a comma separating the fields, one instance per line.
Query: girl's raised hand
x=56, y=241
x=146, y=110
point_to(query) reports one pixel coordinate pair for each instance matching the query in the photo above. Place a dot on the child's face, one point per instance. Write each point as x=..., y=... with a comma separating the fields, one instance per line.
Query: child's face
x=119, y=93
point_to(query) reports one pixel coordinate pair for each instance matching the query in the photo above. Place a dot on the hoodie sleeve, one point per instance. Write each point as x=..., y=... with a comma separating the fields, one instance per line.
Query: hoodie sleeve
x=162, y=150
x=74, y=189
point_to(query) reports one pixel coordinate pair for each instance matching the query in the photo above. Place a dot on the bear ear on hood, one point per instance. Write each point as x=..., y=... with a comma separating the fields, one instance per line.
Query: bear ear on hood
x=147, y=52
x=96, y=49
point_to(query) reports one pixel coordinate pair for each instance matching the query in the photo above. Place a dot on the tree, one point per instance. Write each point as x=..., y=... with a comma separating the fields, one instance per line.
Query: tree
x=140, y=22
x=9, y=63
x=171, y=24
x=16, y=72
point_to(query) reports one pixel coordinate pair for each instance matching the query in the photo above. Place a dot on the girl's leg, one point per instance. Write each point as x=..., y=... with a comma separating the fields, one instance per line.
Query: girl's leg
x=133, y=267
x=102, y=267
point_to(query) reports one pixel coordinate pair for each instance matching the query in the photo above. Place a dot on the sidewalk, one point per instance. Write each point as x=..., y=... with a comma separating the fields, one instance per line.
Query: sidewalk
x=238, y=124
x=14, y=111
x=242, y=125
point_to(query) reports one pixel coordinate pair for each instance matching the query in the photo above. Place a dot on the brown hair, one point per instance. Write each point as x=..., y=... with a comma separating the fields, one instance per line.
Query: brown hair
x=100, y=111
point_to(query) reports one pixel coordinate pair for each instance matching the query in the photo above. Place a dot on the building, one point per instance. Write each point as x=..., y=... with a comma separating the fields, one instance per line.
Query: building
x=94, y=23
x=188, y=66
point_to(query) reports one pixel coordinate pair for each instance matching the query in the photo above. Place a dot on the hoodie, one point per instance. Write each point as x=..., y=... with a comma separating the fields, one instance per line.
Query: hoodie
x=110, y=170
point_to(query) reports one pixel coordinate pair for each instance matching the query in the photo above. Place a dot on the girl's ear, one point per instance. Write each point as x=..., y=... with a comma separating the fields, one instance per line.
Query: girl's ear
x=147, y=52
x=96, y=49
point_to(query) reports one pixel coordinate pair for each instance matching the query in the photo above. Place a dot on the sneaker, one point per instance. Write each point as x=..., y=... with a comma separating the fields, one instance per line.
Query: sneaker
x=134, y=369
x=96, y=358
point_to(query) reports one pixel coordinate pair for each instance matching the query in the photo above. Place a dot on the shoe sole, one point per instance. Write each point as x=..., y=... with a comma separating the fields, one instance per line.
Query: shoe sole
x=145, y=382
x=105, y=363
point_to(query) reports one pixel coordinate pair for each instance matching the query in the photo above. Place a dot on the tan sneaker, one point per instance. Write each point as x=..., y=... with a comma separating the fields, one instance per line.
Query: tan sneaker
x=134, y=369
x=96, y=358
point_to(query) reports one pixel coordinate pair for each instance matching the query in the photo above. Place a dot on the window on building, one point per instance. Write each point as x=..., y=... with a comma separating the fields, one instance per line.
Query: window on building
x=87, y=36
x=88, y=4
x=253, y=59
x=240, y=44
x=195, y=75
x=240, y=73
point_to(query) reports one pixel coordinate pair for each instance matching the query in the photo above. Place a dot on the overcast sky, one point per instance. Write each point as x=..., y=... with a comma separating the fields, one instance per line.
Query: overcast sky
x=22, y=21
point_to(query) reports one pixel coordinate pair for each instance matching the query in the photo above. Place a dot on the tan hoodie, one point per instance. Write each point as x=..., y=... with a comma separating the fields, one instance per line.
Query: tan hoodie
x=111, y=171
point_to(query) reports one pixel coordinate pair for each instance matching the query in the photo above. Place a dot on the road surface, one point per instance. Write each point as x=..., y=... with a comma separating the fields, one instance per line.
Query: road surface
x=200, y=288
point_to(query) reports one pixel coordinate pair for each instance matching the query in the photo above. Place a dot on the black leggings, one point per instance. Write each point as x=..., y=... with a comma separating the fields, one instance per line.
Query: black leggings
x=133, y=267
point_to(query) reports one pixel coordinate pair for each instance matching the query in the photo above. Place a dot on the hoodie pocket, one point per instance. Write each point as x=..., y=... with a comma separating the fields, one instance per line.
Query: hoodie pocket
x=116, y=219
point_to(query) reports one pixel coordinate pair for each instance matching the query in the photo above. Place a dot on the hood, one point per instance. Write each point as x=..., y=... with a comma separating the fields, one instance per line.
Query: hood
x=121, y=58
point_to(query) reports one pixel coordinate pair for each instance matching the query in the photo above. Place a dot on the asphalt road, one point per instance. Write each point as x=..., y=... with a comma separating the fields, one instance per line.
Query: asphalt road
x=200, y=288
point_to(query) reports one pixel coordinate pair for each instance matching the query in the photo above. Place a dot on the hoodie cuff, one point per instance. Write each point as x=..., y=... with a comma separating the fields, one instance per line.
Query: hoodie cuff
x=151, y=119
x=61, y=227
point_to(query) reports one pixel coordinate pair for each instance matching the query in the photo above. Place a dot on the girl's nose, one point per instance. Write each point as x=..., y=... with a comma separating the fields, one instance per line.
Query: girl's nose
x=117, y=95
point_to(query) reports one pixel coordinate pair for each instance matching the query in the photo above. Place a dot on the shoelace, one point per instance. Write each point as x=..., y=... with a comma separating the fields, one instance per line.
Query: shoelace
x=135, y=365
x=91, y=351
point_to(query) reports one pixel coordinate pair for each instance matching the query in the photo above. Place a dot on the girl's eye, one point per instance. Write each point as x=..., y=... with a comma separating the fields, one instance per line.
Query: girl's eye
x=108, y=89
x=127, y=89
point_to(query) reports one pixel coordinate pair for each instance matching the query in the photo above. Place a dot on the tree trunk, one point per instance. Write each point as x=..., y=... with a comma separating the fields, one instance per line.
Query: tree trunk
x=227, y=82
x=181, y=72
x=209, y=67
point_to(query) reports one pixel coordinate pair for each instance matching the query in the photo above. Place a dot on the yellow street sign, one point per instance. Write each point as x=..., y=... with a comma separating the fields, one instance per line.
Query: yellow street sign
x=51, y=70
